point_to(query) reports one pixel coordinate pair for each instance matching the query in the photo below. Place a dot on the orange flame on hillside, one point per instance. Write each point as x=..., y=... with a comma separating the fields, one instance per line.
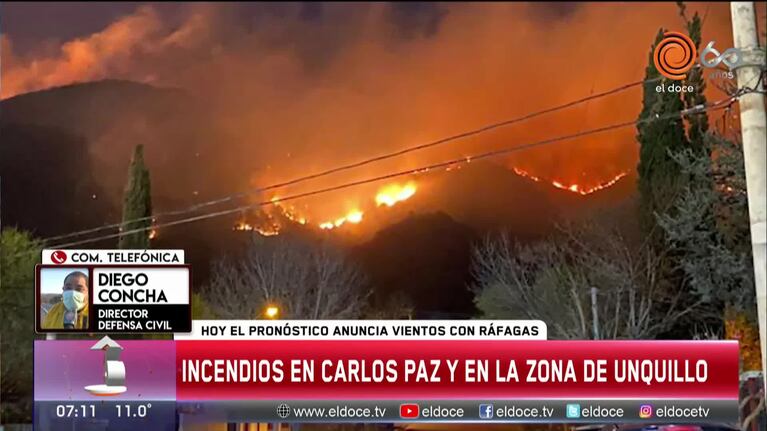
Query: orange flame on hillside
x=264, y=230
x=388, y=196
x=243, y=226
x=574, y=188
x=395, y=193
x=272, y=222
x=353, y=217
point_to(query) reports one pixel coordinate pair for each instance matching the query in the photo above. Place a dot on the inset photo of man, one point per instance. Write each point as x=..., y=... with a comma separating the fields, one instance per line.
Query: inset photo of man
x=64, y=299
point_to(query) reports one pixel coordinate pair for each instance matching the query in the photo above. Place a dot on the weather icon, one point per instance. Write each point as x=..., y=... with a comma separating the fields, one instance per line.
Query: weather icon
x=114, y=369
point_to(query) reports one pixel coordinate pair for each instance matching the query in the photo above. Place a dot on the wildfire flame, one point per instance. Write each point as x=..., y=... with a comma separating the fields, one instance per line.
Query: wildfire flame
x=574, y=188
x=290, y=215
x=523, y=173
x=241, y=225
x=153, y=231
x=354, y=217
x=271, y=222
x=394, y=193
x=389, y=196
x=266, y=230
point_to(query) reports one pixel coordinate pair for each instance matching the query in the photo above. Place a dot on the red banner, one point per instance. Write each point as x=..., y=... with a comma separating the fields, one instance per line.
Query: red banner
x=456, y=369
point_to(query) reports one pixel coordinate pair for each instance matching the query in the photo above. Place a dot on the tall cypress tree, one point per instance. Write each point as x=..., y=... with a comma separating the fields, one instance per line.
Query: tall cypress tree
x=137, y=204
x=659, y=174
x=662, y=181
x=697, y=123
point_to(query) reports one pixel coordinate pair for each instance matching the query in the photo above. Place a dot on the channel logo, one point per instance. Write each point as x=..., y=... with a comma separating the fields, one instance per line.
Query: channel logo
x=732, y=57
x=485, y=411
x=675, y=55
x=645, y=411
x=573, y=411
x=409, y=411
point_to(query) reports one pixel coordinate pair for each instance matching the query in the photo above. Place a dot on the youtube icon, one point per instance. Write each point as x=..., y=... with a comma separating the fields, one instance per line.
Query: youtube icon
x=408, y=411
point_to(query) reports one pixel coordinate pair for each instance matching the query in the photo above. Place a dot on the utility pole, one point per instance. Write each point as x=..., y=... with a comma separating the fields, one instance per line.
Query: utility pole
x=753, y=123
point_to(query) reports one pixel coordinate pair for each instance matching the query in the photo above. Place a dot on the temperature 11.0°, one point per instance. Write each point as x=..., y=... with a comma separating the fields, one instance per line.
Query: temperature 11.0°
x=132, y=411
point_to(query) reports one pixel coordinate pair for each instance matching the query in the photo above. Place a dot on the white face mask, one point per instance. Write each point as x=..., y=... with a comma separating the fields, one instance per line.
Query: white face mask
x=73, y=300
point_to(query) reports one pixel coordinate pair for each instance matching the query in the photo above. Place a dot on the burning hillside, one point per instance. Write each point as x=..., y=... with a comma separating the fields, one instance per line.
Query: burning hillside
x=580, y=189
x=274, y=219
x=363, y=79
x=302, y=95
x=271, y=221
x=395, y=193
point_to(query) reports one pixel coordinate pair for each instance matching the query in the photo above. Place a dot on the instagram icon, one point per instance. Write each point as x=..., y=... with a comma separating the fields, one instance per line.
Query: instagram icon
x=645, y=411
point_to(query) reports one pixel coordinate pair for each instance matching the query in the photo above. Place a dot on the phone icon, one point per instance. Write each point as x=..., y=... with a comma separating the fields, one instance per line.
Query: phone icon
x=58, y=257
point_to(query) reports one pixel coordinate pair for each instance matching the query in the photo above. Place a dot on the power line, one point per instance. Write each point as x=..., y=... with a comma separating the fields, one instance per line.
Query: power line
x=691, y=111
x=360, y=163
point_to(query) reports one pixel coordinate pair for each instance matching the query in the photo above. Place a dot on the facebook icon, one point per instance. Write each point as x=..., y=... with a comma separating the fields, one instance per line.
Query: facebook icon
x=485, y=411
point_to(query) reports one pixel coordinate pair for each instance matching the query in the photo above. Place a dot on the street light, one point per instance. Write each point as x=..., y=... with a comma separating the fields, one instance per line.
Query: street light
x=271, y=312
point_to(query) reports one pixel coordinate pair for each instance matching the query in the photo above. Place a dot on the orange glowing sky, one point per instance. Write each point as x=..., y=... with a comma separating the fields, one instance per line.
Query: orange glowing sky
x=301, y=94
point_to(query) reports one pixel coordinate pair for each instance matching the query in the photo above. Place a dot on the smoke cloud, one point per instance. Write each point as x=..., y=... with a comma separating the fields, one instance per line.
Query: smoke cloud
x=299, y=88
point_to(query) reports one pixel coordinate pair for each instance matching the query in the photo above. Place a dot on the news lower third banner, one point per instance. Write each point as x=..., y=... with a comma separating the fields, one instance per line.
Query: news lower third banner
x=381, y=371
x=113, y=291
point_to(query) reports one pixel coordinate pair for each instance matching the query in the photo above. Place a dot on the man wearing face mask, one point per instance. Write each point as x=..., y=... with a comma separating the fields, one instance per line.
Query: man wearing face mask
x=72, y=311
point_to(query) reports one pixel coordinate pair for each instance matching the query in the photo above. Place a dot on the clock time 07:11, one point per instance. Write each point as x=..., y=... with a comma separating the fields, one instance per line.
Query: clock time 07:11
x=76, y=410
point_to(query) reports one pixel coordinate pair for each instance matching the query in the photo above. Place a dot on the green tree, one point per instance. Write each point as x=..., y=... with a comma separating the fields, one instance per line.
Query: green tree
x=708, y=225
x=708, y=228
x=200, y=308
x=659, y=174
x=697, y=123
x=19, y=253
x=137, y=205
